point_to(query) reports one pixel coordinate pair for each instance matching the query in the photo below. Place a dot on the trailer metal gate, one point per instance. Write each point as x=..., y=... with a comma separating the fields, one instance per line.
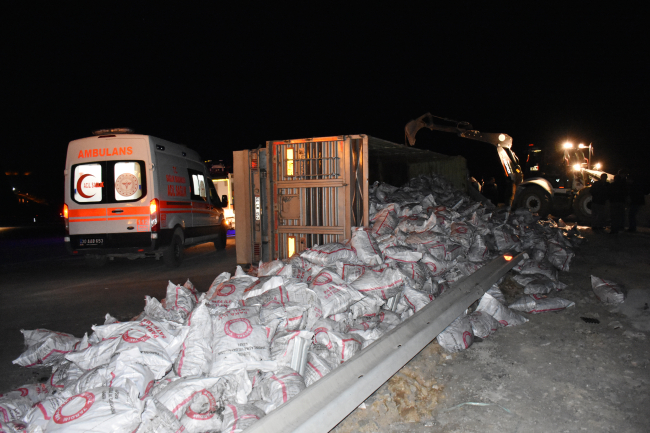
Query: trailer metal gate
x=316, y=189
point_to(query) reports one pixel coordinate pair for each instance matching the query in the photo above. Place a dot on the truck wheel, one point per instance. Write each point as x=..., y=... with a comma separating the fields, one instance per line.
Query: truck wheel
x=95, y=261
x=535, y=200
x=173, y=254
x=582, y=205
x=220, y=243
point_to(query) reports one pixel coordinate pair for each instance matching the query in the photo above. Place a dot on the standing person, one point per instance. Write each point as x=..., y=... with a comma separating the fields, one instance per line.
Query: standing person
x=490, y=191
x=617, y=196
x=637, y=199
x=599, y=203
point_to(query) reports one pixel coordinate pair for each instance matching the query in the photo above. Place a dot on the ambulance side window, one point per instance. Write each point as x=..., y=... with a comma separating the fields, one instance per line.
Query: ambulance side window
x=198, y=185
x=88, y=183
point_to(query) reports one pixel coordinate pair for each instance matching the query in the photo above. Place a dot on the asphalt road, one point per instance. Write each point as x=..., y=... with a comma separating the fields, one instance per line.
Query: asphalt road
x=42, y=287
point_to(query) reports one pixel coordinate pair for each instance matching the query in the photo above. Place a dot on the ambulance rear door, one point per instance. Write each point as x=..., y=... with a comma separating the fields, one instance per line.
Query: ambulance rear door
x=108, y=187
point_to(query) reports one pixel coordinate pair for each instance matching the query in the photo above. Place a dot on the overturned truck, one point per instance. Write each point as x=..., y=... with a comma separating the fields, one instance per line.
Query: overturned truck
x=295, y=194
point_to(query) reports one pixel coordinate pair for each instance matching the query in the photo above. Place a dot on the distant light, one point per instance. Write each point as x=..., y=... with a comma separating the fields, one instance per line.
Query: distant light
x=502, y=137
x=576, y=167
x=13, y=189
x=582, y=146
x=531, y=145
x=568, y=145
x=113, y=131
x=597, y=166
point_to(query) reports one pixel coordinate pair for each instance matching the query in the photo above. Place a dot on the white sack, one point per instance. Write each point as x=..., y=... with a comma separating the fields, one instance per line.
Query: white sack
x=329, y=254
x=180, y=298
x=158, y=341
x=496, y=309
x=383, y=283
x=606, y=291
x=238, y=417
x=224, y=293
x=14, y=408
x=114, y=410
x=384, y=222
x=284, y=344
x=483, y=325
x=559, y=256
x=316, y=368
x=415, y=299
x=540, y=304
x=335, y=295
x=270, y=268
x=366, y=247
x=239, y=341
x=45, y=348
x=195, y=353
x=457, y=336
x=156, y=418
x=278, y=387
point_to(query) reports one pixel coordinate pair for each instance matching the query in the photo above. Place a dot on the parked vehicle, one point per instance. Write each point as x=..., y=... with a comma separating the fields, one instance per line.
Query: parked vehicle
x=224, y=185
x=136, y=196
x=560, y=182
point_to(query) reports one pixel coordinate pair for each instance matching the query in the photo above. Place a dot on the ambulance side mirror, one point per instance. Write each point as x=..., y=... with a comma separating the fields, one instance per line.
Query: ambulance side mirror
x=224, y=200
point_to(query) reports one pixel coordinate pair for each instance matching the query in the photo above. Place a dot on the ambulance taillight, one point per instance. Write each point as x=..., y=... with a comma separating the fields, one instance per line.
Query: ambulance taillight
x=65, y=218
x=154, y=217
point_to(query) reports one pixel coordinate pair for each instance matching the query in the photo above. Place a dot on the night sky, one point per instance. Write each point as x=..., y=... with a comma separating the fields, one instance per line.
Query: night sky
x=221, y=78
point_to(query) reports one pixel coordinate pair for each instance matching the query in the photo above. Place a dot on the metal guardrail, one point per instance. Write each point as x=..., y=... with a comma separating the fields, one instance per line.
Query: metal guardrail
x=323, y=405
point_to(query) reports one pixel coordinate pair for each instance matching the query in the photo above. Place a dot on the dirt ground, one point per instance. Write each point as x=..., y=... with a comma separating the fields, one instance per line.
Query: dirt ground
x=556, y=373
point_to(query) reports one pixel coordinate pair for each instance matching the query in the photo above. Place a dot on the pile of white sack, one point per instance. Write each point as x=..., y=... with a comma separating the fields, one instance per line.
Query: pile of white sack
x=221, y=360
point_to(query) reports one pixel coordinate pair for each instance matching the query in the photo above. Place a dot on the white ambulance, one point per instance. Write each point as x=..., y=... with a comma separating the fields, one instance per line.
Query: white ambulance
x=134, y=196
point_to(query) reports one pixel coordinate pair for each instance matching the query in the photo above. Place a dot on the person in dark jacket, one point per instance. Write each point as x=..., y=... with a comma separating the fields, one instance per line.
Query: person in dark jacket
x=637, y=199
x=599, y=203
x=490, y=191
x=617, y=195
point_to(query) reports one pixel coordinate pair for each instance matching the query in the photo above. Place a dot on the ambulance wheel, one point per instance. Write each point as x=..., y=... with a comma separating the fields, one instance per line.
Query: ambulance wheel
x=173, y=254
x=93, y=261
x=220, y=243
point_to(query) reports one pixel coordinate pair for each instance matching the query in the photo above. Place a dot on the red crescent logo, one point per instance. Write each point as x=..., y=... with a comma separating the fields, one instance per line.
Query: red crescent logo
x=245, y=333
x=79, y=191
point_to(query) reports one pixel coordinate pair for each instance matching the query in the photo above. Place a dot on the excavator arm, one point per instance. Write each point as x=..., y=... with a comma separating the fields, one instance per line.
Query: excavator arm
x=502, y=142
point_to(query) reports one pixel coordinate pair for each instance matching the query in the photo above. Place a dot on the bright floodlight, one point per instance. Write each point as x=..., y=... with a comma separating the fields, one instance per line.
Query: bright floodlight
x=568, y=145
x=597, y=166
x=576, y=167
x=502, y=137
x=582, y=146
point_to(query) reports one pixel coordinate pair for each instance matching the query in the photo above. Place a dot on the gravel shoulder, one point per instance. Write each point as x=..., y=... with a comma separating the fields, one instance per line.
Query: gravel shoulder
x=555, y=373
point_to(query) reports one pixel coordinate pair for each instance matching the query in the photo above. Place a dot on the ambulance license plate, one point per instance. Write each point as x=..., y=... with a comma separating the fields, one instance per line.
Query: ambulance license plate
x=91, y=242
